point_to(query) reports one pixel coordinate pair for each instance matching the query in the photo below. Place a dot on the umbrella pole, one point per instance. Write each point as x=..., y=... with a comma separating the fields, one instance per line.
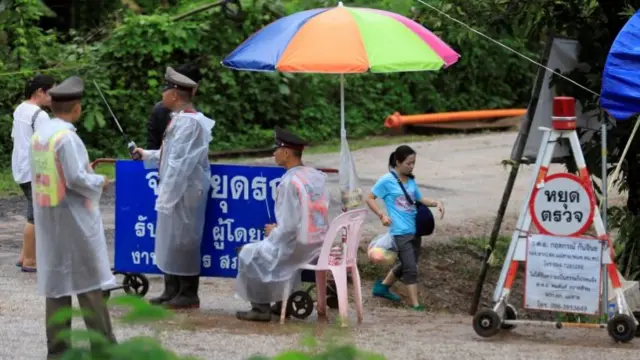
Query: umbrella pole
x=343, y=130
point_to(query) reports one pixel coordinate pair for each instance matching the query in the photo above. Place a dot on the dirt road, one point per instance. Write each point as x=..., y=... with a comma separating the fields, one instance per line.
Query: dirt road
x=463, y=171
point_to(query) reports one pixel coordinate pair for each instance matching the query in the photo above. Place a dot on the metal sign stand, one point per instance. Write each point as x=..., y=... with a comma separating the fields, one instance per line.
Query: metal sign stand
x=488, y=322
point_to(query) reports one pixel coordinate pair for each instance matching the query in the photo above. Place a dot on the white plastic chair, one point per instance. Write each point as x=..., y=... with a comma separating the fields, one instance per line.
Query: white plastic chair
x=351, y=221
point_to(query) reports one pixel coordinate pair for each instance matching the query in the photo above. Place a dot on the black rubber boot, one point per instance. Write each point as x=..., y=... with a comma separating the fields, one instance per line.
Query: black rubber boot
x=187, y=297
x=258, y=312
x=277, y=308
x=171, y=287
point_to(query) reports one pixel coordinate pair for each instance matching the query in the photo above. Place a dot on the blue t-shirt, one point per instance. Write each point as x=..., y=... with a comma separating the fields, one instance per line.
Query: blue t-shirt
x=401, y=213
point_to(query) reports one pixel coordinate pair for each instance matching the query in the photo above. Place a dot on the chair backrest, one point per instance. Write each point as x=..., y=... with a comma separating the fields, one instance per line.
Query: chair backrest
x=352, y=221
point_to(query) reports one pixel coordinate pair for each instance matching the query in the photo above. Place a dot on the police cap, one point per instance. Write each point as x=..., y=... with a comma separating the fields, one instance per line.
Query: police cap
x=285, y=139
x=70, y=89
x=175, y=80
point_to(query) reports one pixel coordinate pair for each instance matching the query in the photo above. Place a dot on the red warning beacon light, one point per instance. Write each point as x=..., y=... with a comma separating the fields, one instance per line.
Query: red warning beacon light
x=564, y=113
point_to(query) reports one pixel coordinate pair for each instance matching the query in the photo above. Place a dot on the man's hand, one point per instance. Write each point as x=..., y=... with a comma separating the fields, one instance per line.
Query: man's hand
x=268, y=228
x=140, y=153
x=106, y=183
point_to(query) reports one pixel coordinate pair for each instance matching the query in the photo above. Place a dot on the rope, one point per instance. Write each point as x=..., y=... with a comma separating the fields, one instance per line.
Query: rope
x=508, y=48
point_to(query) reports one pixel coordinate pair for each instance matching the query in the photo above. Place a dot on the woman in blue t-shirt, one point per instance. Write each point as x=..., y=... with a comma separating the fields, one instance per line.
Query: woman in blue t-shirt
x=401, y=220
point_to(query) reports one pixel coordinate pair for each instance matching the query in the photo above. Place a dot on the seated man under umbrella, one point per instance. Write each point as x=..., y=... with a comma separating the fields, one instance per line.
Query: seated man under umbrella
x=270, y=267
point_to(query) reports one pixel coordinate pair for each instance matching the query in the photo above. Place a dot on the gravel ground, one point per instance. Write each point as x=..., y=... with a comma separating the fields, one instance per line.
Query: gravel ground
x=463, y=171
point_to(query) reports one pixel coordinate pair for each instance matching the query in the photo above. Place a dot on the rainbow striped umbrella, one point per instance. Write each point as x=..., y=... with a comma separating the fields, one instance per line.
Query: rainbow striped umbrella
x=342, y=40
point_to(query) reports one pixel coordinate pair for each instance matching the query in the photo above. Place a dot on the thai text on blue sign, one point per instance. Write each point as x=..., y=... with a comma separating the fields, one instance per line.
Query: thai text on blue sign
x=241, y=202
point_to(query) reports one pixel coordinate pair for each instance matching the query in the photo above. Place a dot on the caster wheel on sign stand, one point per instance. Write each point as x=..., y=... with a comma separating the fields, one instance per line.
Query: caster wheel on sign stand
x=300, y=305
x=622, y=328
x=510, y=313
x=486, y=323
x=136, y=284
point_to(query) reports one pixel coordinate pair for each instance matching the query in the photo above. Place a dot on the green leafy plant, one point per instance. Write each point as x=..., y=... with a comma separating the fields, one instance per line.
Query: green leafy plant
x=139, y=347
x=146, y=347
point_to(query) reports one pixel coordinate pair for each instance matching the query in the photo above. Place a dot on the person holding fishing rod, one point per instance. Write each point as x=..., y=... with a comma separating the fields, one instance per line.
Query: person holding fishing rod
x=161, y=115
x=184, y=172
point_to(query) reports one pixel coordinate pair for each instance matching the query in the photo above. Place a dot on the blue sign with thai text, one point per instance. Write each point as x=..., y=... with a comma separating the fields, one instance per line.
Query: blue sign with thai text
x=241, y=202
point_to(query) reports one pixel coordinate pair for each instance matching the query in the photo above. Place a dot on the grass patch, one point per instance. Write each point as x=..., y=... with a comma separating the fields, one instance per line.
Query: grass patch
x=354, y=144
x=8, y=187
x=481, y=243
x=109, y=170
x=367, y=142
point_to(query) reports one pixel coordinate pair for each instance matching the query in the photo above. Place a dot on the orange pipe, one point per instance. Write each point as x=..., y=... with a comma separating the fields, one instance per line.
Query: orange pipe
x=397, y=120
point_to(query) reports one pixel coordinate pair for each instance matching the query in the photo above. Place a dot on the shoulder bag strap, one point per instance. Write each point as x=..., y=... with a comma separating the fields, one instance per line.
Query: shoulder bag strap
x=403, y=189
x=33, y=119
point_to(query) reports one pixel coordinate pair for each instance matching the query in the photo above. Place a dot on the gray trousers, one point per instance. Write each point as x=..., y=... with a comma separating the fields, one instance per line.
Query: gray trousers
x=409, y=248
x=96, y=318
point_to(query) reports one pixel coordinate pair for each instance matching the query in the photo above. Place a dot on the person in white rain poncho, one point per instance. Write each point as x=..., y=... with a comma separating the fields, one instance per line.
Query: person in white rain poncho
x=267, y=268
x=185, y=178
x=71, y=251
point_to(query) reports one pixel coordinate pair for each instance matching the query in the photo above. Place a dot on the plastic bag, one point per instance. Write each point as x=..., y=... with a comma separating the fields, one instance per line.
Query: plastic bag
x=350, y=192
x=383, y=250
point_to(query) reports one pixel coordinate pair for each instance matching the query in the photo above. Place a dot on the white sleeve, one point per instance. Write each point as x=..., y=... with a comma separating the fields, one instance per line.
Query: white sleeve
x=22, y=142
x=152, y=155
x=42, y=118
x=77, y=174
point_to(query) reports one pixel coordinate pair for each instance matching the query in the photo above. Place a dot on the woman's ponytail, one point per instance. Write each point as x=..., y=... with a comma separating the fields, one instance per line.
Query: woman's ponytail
x=392, y=160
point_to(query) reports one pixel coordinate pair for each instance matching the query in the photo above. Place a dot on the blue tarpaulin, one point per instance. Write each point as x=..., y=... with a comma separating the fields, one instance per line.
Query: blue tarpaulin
x=620, y=94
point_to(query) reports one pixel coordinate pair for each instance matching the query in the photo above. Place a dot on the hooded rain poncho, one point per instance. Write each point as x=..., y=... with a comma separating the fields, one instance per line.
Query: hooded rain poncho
x=269, y=267
x=185, y=178
x=71, y=250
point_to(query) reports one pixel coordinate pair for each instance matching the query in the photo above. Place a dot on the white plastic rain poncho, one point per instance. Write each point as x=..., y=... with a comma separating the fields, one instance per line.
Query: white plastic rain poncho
x=71, y=250
x=185, y=178
x=266, y=268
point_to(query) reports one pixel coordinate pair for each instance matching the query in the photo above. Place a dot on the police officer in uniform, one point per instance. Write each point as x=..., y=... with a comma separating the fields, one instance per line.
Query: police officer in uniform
x=161, y=115
x=268, y=268
x=184, y=173
x=71, y=251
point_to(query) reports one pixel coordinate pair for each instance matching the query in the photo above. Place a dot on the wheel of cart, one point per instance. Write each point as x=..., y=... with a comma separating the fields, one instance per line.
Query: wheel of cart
x=622, y=328
x=132, y=283
x=300, y=303
x=231, y=219
x=487, y=322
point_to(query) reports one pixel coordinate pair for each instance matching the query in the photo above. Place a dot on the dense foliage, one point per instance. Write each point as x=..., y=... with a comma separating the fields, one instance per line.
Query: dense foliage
x=128, y=54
